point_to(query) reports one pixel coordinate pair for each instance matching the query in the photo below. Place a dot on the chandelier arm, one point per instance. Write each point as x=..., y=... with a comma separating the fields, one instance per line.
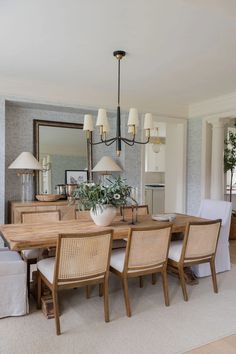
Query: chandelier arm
x=133, y=141
x=106, y=142
x=95, y=143
x=142, y=142
x=111, y=142
x=127, y=141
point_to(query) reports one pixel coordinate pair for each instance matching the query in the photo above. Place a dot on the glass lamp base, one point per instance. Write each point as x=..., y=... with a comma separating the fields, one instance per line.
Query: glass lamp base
x=27, y=188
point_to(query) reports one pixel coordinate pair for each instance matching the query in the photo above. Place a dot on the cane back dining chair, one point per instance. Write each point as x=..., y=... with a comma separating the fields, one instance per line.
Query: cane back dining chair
x=126, y=211
x=198, y=246
x=31, y=255
x=81, y=259
x=146, y=253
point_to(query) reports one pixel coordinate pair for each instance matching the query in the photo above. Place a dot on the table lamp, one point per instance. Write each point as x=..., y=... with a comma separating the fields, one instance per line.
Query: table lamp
x=26, y=163
x=105, y=166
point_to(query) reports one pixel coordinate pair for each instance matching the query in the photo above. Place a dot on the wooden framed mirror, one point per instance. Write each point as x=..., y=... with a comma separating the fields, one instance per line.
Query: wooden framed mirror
x=59, y=146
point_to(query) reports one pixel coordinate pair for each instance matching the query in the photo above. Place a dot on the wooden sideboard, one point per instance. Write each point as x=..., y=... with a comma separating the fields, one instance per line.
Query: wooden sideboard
x=67, y=210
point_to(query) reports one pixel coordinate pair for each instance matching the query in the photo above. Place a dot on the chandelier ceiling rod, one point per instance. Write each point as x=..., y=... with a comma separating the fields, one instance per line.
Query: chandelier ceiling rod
x=102, y=121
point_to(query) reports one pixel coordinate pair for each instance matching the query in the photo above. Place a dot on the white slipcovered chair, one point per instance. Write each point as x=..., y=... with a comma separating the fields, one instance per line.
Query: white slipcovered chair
x=217, y=209
x=13, y=286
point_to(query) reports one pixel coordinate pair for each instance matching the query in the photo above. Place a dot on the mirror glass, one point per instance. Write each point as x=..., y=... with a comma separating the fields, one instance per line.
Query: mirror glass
x=60, y=147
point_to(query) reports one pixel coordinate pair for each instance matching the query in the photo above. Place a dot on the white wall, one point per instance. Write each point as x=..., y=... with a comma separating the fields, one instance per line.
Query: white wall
x=175, y=177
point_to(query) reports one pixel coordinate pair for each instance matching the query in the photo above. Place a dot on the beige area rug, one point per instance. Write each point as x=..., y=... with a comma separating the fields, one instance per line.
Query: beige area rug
x=152, y=329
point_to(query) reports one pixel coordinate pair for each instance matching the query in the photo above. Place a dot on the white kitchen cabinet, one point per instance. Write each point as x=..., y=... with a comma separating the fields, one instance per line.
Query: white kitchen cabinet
x=155, y=199
x=158, y=201
x=154, y=162
x=148, y=199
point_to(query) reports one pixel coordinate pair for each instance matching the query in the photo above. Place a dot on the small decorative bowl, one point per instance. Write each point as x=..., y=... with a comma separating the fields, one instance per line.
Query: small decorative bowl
x=164, y=217
x=47, y=197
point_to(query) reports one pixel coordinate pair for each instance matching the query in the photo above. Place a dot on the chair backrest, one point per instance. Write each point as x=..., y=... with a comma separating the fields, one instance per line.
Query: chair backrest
x=200, y=240
x=82, y=256
x=126, y=211
x=217, y=209
x=40, y=216
x=147, y=248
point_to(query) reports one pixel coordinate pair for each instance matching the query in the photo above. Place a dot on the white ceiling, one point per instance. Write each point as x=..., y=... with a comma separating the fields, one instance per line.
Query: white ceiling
x=178, y=51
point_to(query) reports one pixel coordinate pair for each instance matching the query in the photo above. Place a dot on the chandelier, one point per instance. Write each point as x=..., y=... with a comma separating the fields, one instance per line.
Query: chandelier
x=133, y=122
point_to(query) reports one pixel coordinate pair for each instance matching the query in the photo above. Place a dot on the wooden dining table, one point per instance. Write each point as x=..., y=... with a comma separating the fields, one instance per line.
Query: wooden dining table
x=24, y=236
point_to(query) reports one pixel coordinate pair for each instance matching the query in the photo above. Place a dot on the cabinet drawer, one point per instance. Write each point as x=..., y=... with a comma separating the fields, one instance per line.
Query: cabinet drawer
x=16, y=213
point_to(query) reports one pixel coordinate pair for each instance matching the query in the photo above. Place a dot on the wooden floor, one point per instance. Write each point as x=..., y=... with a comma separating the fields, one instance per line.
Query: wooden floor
x=226, y=345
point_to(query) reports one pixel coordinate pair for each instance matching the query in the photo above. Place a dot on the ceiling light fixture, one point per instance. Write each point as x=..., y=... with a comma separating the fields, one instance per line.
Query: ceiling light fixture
x=133, y=121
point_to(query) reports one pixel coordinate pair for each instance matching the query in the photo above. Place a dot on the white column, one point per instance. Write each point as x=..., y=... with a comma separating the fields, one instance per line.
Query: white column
x=217, y=158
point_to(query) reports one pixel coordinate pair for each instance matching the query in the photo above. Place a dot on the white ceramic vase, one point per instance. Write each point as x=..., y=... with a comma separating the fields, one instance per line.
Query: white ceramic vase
x=103, y=216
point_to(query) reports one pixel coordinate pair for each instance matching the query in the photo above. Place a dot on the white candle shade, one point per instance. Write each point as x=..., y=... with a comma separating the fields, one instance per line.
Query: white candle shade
x=88, y=122
x=102, y=117
x=26, y=161
x=133, y=117
x=148, y=121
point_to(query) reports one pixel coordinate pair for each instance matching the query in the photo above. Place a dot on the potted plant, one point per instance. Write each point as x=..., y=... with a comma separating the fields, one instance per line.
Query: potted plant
x=230, y=165
x=102, y=200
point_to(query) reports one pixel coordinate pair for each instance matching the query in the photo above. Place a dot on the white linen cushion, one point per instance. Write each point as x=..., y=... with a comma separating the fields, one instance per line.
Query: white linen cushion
x=11, y=263
x=4, y=249
x=31, y=253
x=118, y=259
x=46, y=267
x=175, y=250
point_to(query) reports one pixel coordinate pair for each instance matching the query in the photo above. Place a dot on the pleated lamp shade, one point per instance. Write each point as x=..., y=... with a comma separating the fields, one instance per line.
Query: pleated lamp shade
x=25, y=161
x=106, y=164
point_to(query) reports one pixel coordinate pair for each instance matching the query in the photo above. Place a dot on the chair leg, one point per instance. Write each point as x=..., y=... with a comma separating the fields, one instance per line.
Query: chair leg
x=88, y=291
x=154, y=278
x=101, y=290
x=39, y=291
x=165, y=287
x=56, y=311
x=126, y=295
x=183, y=284
x=213, y=274
x=141, y=282
x=106, y=300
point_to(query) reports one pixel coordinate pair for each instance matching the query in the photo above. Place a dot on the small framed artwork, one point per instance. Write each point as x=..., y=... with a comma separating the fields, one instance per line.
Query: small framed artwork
x=76, y=176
